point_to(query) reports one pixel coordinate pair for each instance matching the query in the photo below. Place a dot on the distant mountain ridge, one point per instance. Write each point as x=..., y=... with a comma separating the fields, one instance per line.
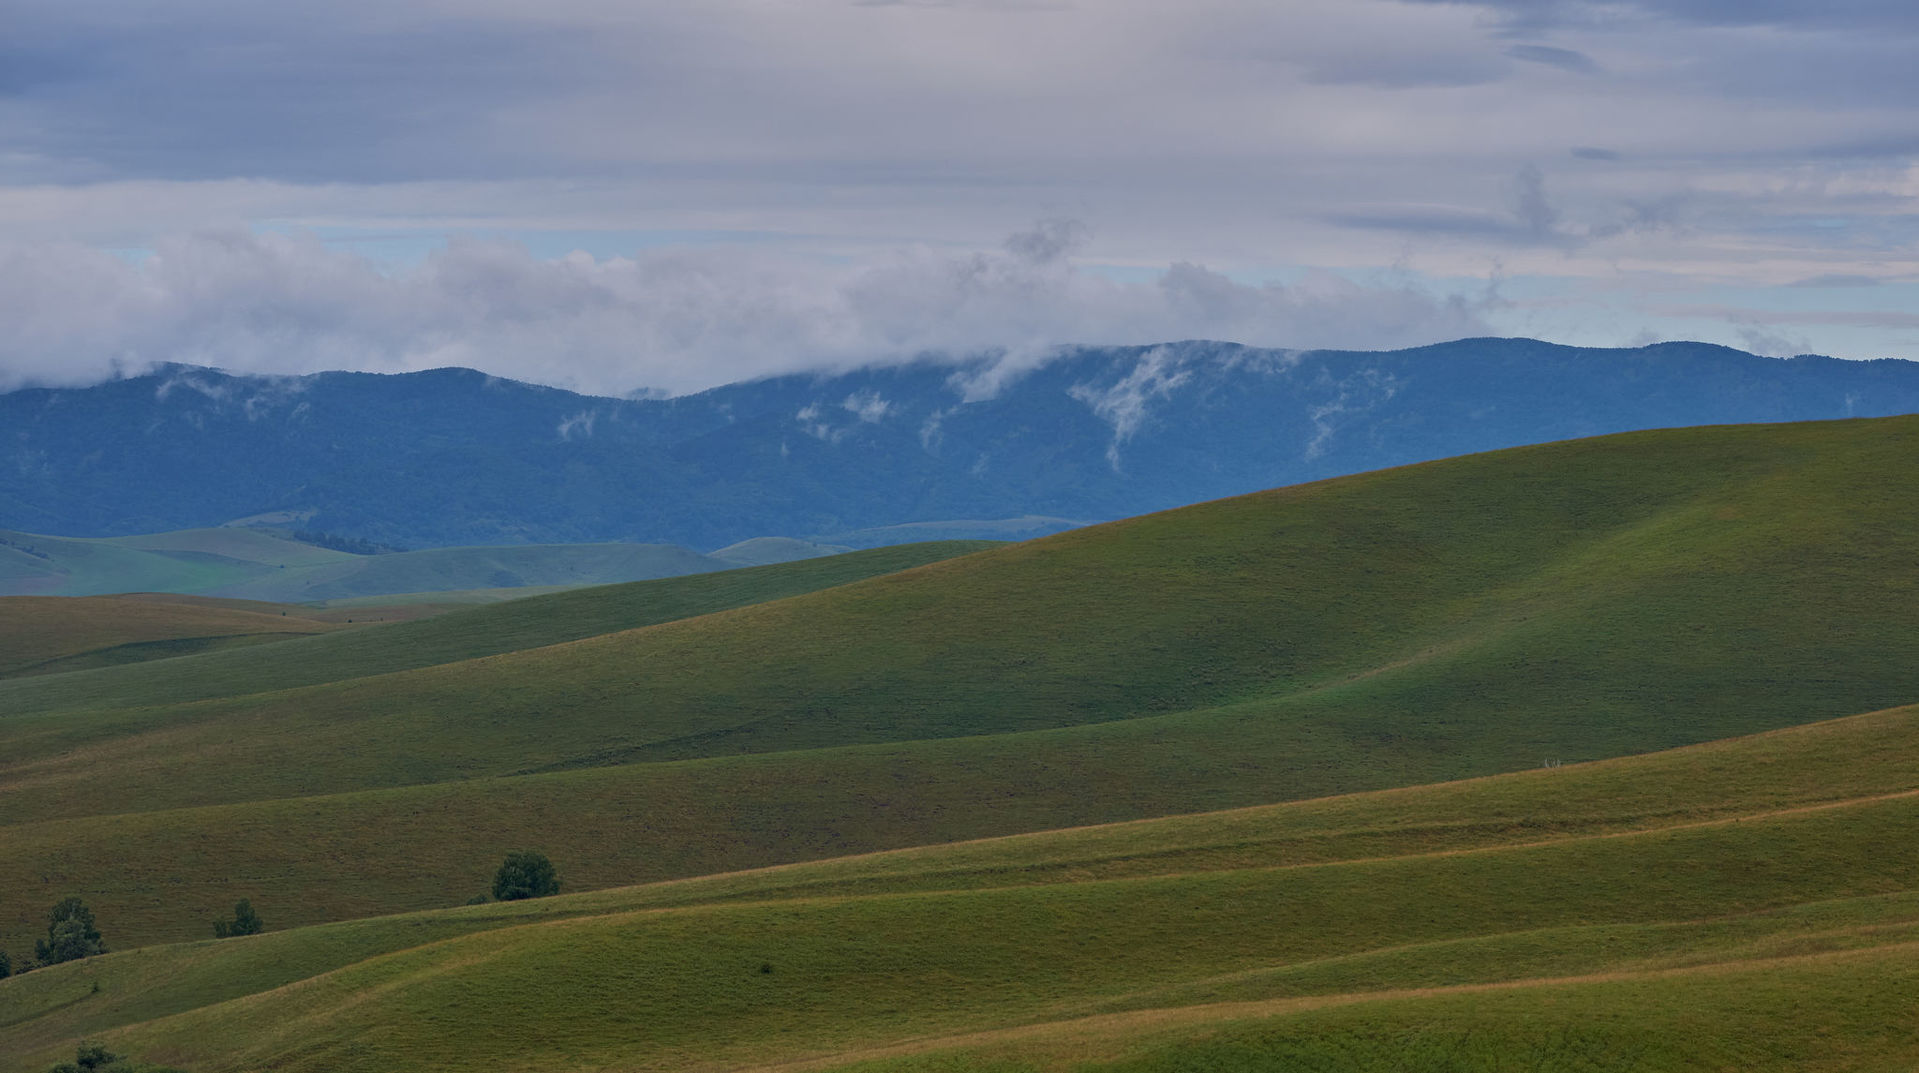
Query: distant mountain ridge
x=917, y=451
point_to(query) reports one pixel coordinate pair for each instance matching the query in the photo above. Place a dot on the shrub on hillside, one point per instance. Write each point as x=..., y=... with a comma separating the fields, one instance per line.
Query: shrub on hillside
x=6, y=965
x=92, y=1056
x=71, y=934
x=245, y=922
x=525, y=874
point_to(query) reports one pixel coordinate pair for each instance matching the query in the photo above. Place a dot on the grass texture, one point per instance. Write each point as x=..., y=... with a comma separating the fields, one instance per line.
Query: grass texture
x=1484, y=614
x=50, y=635
x=1335, y=716
x=1750, y=903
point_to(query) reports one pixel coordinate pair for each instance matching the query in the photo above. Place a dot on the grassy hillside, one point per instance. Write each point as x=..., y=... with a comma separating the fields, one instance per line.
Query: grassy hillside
x=1747, y=904
x=460, y=633
x=194, y=560
x=45, y=635
x=256, y=564
x=480, y=567
x=1477, y=615
x=760, y=551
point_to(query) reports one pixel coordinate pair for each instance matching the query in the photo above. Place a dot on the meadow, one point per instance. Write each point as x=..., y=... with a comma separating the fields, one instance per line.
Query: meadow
x=1544, y=758
x=1745, y=903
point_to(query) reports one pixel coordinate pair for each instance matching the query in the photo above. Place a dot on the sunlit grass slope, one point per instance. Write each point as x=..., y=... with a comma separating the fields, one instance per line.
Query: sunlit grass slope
x=1748, y=904
x=1482, y=614
x=45, y=634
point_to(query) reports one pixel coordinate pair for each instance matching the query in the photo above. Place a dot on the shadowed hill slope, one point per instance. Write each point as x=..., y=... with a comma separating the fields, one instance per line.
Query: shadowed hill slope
x=1481, y=614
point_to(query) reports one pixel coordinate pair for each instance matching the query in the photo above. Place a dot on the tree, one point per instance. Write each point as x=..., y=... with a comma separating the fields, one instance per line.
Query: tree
x=71, y=934
x=89, y=1057
x=6, y=965
x=245, y=922
x=525, y=875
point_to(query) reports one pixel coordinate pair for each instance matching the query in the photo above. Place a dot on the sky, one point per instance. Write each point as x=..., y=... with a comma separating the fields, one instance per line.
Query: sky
x=625, y=196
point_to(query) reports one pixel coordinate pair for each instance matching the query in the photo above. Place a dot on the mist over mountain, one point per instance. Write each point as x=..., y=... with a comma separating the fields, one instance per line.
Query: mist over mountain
x=453, y=456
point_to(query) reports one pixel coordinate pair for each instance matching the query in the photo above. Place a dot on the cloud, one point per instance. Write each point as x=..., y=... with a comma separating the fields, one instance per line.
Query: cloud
x=1563, y=58
x=1354, y=395
x=1536, y=215
x=1534, y=15
x=1838, y=279
x=1849, y=318
x=861, y=162
x=1125, y=405
x=580, y=424
x=294, y=90
x=868, y=406
x=1773, y=343
x=1532, y=220
x=674, y=319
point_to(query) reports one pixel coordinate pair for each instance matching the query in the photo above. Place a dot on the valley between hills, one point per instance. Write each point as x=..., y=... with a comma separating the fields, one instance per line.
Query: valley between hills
x=1597, y=754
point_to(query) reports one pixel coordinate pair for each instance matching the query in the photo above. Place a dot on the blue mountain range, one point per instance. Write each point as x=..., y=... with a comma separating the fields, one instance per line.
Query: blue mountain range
x=880, y=455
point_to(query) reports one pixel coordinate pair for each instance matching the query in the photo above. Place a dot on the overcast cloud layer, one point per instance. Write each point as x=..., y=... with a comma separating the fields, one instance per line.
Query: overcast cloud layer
x=751, y=187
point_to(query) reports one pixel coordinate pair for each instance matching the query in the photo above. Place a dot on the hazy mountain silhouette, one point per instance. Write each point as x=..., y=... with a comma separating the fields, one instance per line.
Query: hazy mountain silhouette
x=456, y=457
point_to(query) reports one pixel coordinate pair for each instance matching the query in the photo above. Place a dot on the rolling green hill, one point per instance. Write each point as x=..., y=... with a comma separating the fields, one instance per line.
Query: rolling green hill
x=46, y=635
x=1750, y=904
x=464, y=633
x=1483, y=614
x=257, y=564
x=192, y=561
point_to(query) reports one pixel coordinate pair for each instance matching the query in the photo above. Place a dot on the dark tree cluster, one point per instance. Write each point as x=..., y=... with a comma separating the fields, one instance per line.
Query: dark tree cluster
x=525, y=874
x=89, y=1057
x=71, y=934
x=92, y=1056
x=245, y=922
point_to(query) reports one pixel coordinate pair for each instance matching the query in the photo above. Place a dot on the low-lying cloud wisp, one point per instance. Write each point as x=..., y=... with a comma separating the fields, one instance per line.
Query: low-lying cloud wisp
x=677, y=319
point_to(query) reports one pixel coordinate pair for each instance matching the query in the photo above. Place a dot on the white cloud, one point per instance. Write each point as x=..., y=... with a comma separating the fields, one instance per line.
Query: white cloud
x=1675, y=143
x=1126, y=404
x=868, y=406
x=678, y=319
x=580, y=424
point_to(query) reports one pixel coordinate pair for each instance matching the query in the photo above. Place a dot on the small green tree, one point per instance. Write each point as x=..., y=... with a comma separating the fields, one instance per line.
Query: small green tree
x=245, y=922
x=89, y=1057
x=6, y=965
x=71, y=934
x=525, y=874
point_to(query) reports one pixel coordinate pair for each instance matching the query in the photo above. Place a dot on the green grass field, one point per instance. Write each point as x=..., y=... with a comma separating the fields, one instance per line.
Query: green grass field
x=1483, y=614
x=531, y=622
x=806, y=769
x=50, y=635
x=1749, y=903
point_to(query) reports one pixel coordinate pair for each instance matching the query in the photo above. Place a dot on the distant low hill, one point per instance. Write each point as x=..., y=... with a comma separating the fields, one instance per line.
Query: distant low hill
x=257, y=564
x=935, y=450
x=45, y=635
x=1477, y=615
